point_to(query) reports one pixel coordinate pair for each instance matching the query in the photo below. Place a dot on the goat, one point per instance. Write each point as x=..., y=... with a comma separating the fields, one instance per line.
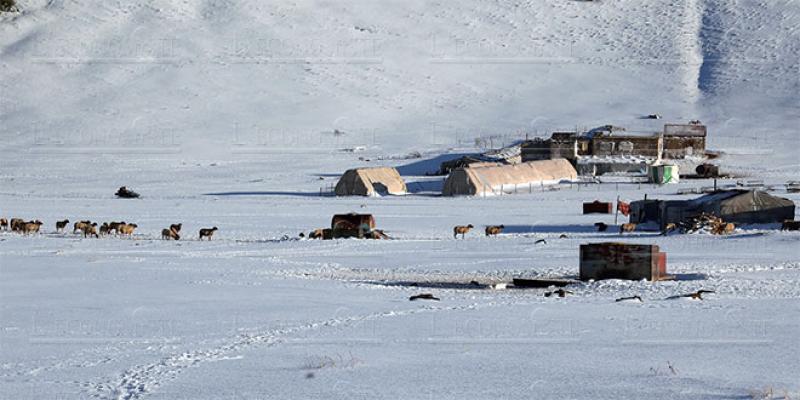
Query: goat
x=493, y=230
x=169, y=234
x=176, y=227
x=104, y=229
x=126, y=229
x=461, y=230
x=206, y=232
x=630, y=227
x=60, y=225
x=4, y=223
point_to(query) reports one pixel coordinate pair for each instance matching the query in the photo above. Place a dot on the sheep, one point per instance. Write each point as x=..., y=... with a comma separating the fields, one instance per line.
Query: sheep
x=104, y=229
x=16, y=224
x=493, y=230
x=601, y=227
x=90, y=230
x=126, y=229
x=176, y=227
x=169, y=234
x=60, y=225
x=31, y=227
x=78, y=226
x=317, y=234
x=724, y=229
x=206, y=232
x=461, y=230
x=3, y=224
x=790, y=225
x=630, y=227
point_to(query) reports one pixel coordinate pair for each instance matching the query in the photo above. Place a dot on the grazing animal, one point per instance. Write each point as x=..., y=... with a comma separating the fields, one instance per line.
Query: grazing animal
x=316, y=234
x=423, y=296
x=4, y=223
x=461, y=230
x=540, y=241
x=169, y=234
x=630, y=227
x=90, y=230
x=60, y=225
x=126, y=229
x=492, y=230
x=601, y=227
x=16, y=224
x=113, y=227
x=724, y=229
x=78, y=226
x=206, y=232
x=104, y=229
x=31, y=227
x=790, y=225
x=176, y=227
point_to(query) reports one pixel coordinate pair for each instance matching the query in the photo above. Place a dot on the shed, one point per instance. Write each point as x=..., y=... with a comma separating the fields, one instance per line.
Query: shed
x=663, y=174
x=487, y=180
x=622, y=261
x=370, y=182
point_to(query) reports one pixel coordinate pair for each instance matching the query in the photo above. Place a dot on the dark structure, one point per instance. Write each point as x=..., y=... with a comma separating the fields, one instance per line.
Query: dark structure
x=622, y=261
x=737, y=206
x=352, y=225
x=597, y=207
x=125, y=193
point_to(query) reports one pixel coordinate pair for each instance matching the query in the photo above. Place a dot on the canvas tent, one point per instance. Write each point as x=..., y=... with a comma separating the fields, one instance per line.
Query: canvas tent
x=737, y=206
x=370, y=182
x=487, y=180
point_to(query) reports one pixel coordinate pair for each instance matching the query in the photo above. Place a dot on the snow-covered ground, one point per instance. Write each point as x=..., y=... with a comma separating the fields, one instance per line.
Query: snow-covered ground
x=222, y=113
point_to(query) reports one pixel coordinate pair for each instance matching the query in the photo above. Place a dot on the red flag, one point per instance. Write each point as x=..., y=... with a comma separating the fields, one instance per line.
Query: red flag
x=624, y=208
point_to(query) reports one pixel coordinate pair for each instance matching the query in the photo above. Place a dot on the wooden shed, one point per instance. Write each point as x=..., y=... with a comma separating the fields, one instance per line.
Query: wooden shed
x=622, y=261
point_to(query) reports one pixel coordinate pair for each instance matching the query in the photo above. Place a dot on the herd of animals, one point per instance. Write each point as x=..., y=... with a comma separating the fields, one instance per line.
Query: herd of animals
x=91, y=229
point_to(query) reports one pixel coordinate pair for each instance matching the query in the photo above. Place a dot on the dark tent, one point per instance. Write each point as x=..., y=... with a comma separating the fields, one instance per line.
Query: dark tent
x=737, y=206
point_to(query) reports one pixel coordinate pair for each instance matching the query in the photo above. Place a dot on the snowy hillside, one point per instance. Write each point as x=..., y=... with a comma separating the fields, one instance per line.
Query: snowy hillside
x=240, y=113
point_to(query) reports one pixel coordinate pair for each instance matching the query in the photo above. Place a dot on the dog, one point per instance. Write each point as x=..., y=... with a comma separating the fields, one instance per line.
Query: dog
x=493, y=230
x=461, y=230
x=60, y=225
x=206, y=232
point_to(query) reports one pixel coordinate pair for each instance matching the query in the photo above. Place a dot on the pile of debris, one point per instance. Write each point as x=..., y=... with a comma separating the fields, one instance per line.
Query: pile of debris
x=708, y=223
x=352, y=225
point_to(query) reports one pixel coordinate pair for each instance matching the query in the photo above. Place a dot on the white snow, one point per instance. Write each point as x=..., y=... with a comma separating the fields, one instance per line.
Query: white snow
x=238, y=114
